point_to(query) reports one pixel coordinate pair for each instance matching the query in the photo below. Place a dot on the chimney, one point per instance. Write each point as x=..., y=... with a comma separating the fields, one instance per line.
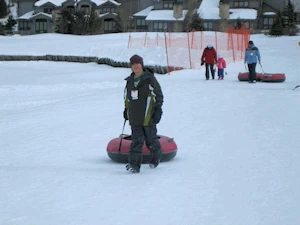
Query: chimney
x=224, y=9
x=177, y=9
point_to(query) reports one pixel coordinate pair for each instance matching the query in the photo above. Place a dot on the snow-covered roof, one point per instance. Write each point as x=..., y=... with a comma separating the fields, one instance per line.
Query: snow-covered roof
x=144, y=12
x=269, y=13
x=30, y=15
x=60, y=2
x=248, y=14
x=101, y=2
x=209, y=10
x=163, y=15
x=54, y=2
x=296, y=5
x=26, y=16
x=108, y=13
x=42, y=14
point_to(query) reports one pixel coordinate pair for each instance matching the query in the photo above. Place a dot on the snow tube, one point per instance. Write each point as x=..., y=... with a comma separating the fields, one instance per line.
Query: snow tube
x=168, y=145
x=273, y=77
x=244, y=76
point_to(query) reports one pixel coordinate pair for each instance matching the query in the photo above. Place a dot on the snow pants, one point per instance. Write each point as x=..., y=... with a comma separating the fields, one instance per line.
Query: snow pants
x=211, y=68
x=252, y=72
x=221, y=73
x=139, y=136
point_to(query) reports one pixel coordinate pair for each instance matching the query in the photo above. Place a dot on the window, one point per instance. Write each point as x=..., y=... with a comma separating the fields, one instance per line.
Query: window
x=71, y=8
x=48, y=10
x=168, y=5
x=208, y=26
x=268, y=22
x=241, y=4
x=141, y=24
x=41, y=26
x=109, y=25
x=85, y=8
x=24, y=25
x=160, y=27
x=108, y=9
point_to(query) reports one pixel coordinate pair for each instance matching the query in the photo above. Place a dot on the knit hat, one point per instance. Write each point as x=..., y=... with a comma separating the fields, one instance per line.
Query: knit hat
x=250, y=43
x=209, y=45
x=136, y=59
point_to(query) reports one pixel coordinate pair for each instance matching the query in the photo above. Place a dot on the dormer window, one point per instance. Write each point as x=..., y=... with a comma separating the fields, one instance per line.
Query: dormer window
x=241, y=3
x=85, y=8
x=48, y=10
x=107, y=9
x=70, y=8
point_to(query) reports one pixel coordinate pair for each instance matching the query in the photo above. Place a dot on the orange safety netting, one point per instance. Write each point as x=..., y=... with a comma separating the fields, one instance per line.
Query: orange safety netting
x=184, y=50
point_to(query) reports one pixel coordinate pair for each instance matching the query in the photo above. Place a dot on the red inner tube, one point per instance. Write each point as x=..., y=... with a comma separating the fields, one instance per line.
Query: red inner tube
x=167, y=144
x=273, y=77
x=266, y=77
x=245, y=77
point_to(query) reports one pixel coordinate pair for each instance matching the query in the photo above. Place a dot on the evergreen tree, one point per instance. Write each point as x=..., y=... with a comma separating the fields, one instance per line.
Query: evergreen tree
x=119, y=24
x=120, y=21
x=277, y=27
x=3, y=9
x=196, y=22
x=290, y=18
x=238, y=24
x=124, y=20
x=10, y=24
x=2, y=30
x=64, y=22
x=191, y=5
x=79, y=22
x=94, y=23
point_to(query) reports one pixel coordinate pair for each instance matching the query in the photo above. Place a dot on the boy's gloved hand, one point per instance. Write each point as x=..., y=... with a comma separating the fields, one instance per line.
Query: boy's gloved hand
x=157, y=114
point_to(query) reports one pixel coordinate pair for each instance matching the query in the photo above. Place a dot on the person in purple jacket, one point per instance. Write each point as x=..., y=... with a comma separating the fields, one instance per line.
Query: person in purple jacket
x=252, y=55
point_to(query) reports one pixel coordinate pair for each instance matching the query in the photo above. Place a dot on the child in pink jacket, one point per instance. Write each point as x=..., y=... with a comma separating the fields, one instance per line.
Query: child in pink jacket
x=221, y=64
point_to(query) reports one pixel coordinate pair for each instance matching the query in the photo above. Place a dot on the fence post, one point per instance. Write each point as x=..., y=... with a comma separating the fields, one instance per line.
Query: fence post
x=201, y=39
x=166, y=46
x=145, y=39
x=243, y=41
x=193, y=36
x=216, y=37
x=189, y=47
x=233, y=54
x=129, y=40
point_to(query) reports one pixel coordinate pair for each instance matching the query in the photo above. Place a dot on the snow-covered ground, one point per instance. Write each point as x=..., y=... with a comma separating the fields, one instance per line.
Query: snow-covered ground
x=238, y=143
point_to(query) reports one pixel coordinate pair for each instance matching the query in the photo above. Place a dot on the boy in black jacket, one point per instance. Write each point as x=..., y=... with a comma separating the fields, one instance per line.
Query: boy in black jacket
x=143, y=109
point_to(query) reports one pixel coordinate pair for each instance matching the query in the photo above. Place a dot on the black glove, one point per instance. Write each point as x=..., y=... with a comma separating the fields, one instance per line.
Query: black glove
x=202, y=63
x=157, y=114
x=125, y=115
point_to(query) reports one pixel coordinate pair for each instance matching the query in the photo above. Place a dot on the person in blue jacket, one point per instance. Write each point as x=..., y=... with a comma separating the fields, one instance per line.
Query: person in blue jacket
x=252, y=55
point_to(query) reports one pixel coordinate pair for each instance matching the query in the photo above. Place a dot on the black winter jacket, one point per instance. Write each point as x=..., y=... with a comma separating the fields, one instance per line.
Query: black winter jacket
x=140, y=111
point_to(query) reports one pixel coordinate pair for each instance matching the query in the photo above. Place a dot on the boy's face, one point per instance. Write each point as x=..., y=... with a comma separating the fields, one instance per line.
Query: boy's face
x=137, y=68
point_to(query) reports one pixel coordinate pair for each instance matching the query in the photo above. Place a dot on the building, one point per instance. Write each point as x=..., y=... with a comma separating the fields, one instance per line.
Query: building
x=154, y=15
x=255, y=14
x=162, y=15
x=40, y=16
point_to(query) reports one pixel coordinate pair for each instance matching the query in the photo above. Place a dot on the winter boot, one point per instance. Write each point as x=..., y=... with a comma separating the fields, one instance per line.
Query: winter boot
x=134, y=162
x=155, y=158
x=132, y=168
